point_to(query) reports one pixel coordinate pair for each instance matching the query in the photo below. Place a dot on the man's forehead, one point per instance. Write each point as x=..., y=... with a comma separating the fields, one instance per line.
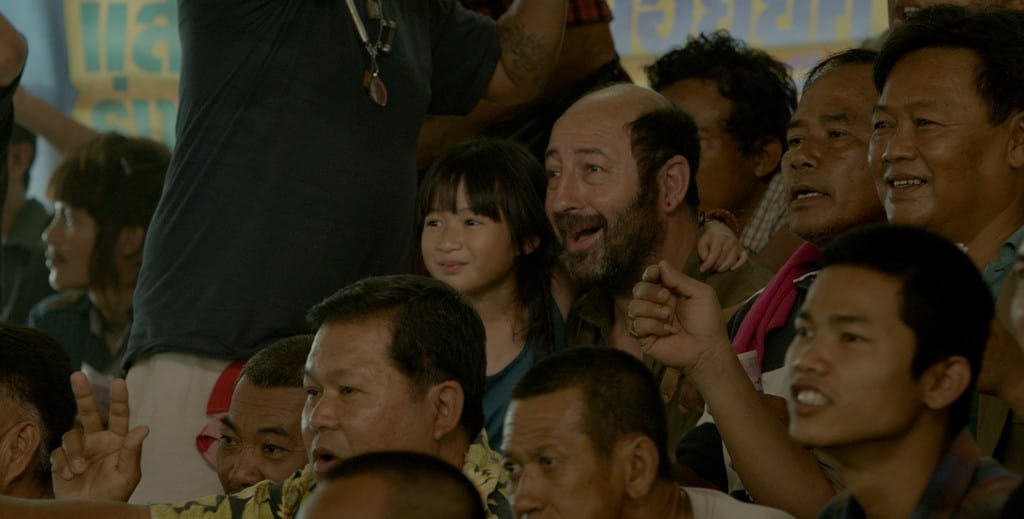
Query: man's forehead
x=348, y=346
x=551, y=415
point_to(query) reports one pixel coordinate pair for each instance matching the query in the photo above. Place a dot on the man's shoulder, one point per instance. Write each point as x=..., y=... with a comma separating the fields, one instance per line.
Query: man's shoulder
x=707, y=504
x=264, y=500
x=991, y=486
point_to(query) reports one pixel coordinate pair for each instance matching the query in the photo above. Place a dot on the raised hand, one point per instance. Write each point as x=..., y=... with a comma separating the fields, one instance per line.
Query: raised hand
x=676, y=318
x=96, y=462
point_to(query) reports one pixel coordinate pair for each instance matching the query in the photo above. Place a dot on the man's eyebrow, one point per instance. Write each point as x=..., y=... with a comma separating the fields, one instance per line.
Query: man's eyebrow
x=588, y=151
x=796, y=123
x=836, y=118
x=276, y=430
x=226, y=422
x=848, y=319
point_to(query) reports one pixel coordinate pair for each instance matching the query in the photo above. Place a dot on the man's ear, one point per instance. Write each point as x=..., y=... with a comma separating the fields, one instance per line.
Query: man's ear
x=130, y=240
x=943, y=382
x=449, y=400
x=674, y=182
x=19, y=452
x=766, y=154
x=638, y=456
x=1016, y=151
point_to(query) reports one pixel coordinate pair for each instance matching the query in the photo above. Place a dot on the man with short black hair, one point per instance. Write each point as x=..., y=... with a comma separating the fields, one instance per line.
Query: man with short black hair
x=738, y=368
x=585, y=437
x=261, y=434
x=888, y=350
x=741, y=99
x=948, y=155
x=394, y=485
x=36, y=408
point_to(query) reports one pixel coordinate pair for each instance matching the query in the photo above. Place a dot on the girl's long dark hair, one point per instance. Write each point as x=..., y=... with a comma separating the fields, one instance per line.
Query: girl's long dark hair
x=505, y=183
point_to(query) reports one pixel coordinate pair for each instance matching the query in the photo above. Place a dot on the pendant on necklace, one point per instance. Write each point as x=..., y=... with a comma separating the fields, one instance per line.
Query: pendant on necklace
x=375, y=88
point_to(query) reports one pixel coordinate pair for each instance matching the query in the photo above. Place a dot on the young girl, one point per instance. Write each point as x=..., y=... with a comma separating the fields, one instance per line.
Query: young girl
x=485, y=233
x=104, y=194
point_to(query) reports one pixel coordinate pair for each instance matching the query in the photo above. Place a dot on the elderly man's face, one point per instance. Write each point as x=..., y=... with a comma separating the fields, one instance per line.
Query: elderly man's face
x=356, y=400
x=554, y=467
x=261, y=436
x=939, y=163
x=607, y=222
x=825, y=169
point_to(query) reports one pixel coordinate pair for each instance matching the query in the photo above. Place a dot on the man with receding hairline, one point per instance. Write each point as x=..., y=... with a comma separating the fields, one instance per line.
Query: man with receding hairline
x=622, y=194
x=261, y=435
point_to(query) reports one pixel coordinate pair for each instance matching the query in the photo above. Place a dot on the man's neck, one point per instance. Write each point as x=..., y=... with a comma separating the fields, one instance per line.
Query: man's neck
x=888, y=478
x=453, y=448
x=746, y=211
x=29, y=488
x=13, y=204
x=664, y=500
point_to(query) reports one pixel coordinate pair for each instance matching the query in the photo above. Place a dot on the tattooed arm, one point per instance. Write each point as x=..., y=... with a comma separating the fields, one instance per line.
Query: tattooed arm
x=531, y=35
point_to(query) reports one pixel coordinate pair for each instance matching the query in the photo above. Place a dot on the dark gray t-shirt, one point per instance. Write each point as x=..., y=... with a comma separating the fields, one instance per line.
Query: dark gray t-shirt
x=287, y=182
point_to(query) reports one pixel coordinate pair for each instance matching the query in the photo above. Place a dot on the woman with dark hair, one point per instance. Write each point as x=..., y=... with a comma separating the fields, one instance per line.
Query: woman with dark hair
x=104, y=195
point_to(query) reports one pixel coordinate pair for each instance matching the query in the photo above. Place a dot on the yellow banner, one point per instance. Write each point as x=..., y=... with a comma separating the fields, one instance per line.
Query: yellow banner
x=124, y=58
x=646, y=27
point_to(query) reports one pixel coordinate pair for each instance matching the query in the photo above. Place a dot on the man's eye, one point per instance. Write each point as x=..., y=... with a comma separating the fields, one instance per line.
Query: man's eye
x=850, y=337
x=271, y=449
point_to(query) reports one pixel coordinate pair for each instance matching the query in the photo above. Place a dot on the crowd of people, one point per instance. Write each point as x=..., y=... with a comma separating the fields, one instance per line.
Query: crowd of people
x=411, y=260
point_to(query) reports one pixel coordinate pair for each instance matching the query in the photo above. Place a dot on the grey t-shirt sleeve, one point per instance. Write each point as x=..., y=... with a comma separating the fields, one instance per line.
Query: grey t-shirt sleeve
x=465, y=52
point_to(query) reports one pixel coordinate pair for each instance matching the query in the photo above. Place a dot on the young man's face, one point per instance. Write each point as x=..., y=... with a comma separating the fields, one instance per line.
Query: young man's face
x=607, y=228
x=825, y=170
x=850, y=363
x=356, y=400
x=939, y=162
x=553, y=464
x=261, y=436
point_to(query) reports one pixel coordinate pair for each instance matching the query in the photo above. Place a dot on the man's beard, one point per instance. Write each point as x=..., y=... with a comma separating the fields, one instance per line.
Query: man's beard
x=630, y=243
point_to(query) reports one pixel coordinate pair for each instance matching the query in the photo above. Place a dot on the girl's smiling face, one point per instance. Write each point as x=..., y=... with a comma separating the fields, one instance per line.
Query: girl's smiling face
x=473, y=253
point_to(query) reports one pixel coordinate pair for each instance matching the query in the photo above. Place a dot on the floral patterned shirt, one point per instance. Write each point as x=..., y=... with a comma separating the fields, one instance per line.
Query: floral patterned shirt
x=267, y=500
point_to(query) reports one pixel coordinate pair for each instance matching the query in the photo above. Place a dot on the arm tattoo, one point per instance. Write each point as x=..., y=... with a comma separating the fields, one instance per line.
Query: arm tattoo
x=523, y=54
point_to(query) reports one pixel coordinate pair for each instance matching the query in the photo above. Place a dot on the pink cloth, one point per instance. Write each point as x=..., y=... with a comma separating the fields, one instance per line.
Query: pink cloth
x=775, y=302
